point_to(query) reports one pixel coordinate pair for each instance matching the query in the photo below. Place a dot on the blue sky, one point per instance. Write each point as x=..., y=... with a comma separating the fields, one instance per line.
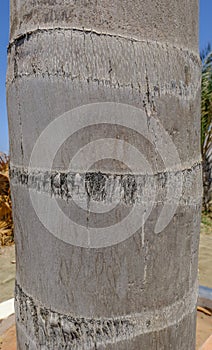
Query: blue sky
x=4, y=33
x=205, y=37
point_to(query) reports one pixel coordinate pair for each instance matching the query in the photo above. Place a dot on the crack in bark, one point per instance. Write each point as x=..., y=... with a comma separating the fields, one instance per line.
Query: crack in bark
x=99, y=186
x=107, y=73
x=49, y=328
x=25, y=36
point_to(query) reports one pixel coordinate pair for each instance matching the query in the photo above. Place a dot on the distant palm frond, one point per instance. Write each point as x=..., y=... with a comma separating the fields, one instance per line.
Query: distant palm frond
x=6, y=221
x=4, y=161
x=206, y=101
x=206, y=126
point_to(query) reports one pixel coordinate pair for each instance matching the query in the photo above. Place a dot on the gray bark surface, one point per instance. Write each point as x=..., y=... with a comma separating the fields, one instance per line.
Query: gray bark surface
x=140, y=293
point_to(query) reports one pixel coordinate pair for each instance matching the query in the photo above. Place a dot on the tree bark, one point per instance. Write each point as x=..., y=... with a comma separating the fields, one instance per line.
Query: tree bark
x=105, y=57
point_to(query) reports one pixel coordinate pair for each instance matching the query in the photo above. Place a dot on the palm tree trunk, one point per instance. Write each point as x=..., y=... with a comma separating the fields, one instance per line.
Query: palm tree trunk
x=124, y=75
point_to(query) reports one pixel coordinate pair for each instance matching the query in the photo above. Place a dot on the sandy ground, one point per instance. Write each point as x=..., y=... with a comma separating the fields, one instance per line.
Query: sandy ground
x=8, y=339
x=7, y=334
x=205, y=260
x=7, y=272
x=204, y=329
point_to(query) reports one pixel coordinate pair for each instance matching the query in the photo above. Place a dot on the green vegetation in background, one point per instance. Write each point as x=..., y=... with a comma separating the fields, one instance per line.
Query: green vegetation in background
x=206, y=126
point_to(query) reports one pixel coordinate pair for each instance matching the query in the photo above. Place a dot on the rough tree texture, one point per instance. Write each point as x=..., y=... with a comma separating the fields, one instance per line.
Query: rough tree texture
x=141, y=293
